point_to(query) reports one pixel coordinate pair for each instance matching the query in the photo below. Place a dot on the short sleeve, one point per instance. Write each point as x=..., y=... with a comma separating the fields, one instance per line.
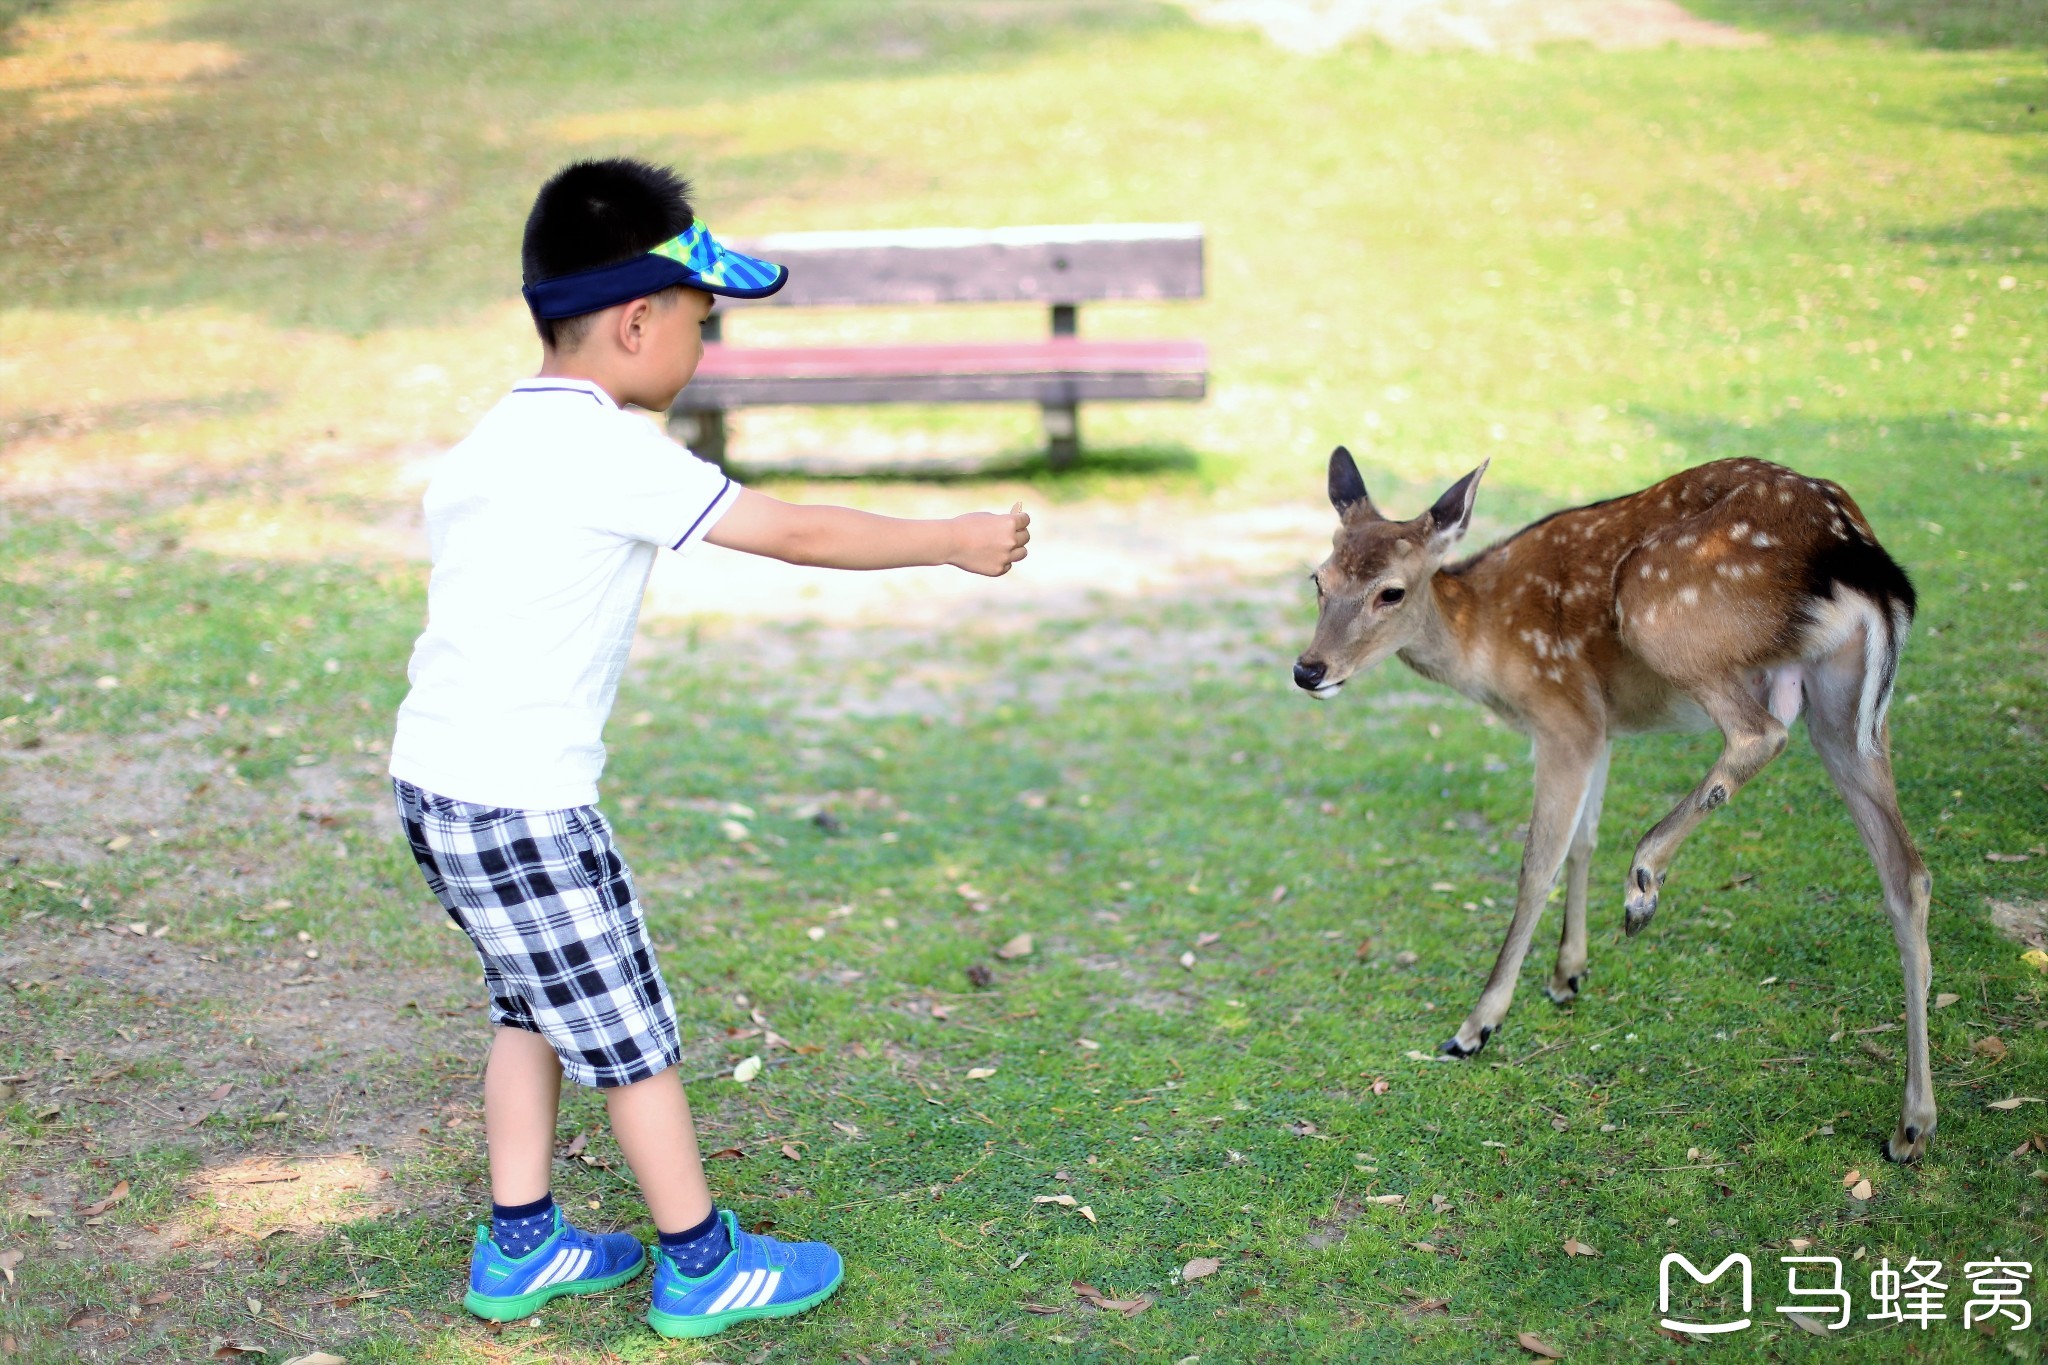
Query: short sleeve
x=657, y=491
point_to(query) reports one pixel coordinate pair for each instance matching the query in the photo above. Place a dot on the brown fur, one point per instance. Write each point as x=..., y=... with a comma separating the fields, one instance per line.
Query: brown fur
x=1731, y=594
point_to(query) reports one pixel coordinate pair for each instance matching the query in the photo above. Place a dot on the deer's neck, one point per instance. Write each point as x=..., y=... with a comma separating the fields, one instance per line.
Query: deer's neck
x=1444, y=647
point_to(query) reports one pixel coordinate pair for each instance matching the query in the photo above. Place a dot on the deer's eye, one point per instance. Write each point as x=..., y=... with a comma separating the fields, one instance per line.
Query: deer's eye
x=1392, y=597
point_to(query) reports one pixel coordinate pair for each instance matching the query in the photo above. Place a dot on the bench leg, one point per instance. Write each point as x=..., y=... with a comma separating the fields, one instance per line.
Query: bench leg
x=1062, y=434
x=702, y=432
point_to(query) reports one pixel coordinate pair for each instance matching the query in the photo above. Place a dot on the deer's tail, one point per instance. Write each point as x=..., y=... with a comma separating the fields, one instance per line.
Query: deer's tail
x=1860, y=571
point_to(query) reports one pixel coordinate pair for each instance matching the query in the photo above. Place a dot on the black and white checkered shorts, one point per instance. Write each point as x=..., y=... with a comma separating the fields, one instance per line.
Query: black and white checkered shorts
x=549, y=904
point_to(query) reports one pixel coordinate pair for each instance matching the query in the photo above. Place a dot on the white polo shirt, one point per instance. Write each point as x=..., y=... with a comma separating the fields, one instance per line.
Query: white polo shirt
x=544, y=523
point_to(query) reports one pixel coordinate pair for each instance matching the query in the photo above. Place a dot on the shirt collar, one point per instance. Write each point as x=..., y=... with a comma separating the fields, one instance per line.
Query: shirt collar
x=559, y=385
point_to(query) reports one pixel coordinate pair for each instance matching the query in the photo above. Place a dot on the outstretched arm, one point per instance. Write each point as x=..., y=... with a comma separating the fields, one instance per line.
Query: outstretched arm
x=842, y=538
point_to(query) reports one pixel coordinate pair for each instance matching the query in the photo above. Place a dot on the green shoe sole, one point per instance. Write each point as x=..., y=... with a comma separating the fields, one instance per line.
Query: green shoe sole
x=512, y=1307
x=710, y=1324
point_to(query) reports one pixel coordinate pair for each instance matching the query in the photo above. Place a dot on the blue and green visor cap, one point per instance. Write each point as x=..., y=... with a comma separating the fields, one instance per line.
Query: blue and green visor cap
x=694, y=258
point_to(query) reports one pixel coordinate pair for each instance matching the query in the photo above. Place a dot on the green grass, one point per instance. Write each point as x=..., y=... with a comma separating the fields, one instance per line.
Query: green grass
x=231, y=307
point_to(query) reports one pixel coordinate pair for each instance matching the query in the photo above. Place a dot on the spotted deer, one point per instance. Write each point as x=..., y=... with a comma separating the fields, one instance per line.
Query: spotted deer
x=1737, y=593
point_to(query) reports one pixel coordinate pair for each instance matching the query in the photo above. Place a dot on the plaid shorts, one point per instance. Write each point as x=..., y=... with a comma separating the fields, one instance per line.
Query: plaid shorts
x=549, y=905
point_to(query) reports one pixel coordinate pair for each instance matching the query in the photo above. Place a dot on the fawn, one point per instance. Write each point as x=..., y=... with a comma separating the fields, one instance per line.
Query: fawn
x=1730, y=594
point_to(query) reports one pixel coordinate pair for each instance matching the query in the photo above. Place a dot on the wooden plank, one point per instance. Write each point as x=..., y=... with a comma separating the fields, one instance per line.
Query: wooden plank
x=1056, y=372
x=1005, y=265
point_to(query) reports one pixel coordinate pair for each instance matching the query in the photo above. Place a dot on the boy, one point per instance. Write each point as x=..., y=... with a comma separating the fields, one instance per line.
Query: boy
x=544, y=524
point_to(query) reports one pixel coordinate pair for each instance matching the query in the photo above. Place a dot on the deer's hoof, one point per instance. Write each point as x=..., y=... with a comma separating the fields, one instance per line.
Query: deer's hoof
x=1909, y=1143
x=1641, y=904
x=1563, y=990
x=1455, y=1046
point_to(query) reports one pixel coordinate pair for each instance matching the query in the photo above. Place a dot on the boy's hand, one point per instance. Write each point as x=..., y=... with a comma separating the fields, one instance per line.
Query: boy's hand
x=990, y=542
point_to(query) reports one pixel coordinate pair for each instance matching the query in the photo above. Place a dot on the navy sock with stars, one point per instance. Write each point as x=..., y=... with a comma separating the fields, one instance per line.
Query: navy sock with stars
x=518, y=1228
x=698, y=1250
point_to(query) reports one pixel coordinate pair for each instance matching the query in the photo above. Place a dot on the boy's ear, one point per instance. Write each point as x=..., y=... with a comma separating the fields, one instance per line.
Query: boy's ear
x=631, y=326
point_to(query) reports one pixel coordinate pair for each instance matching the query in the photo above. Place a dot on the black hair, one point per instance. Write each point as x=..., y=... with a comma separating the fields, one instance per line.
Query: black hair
x=593, y=213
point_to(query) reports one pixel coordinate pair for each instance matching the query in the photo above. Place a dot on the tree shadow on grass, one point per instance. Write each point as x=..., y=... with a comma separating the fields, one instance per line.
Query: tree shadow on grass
x=1173, y=462
x=1956, y=25
x=367, y=166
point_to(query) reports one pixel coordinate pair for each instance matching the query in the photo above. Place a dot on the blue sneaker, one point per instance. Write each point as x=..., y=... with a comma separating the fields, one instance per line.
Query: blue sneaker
x=759, y=1278
x=571, y=1261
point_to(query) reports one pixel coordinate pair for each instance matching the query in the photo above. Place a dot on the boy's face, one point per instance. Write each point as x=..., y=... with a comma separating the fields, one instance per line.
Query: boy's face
x=674, y=345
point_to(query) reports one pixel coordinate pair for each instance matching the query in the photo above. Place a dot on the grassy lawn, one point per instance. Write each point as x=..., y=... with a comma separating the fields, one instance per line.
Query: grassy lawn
x=257, y=269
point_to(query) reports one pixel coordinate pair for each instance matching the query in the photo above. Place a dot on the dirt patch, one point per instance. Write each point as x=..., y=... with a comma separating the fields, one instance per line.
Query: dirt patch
x=1316, y=26
x=2025, y=921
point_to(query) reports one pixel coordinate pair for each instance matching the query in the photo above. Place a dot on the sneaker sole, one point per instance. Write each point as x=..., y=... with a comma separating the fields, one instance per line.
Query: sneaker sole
x=710, y=1324
x=511, y=1307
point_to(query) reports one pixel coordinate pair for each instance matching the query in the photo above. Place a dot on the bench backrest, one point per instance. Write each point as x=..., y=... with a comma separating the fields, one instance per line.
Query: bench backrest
x=1055, y=265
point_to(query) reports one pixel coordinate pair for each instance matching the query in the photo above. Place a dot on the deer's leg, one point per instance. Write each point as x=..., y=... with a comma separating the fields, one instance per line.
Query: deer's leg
x=1865, y=782
x=1751, y=738
x=1564, y=769
x=1578, y=864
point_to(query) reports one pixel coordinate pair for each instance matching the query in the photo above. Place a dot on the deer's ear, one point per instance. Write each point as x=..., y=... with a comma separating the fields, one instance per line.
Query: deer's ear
x=1452, y=513
x=1347, y=487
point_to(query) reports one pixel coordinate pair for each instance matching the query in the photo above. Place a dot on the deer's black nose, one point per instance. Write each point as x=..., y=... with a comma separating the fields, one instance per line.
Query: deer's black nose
x=1308, y=676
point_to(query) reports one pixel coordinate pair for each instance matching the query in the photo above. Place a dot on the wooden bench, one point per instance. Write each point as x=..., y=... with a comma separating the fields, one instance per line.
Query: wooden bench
x=1062, y=267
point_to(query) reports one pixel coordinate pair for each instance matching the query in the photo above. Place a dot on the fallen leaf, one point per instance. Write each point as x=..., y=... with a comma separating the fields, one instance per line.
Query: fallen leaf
x=1432, y=1305
x=114, y=1196
x=727, y=1154
x=1574, y=1247
x=317, y=1358
x=1989, y=857
x=118, y=842
x=980, y=1073
x=1187, y=960
x=1380, y=1087
x=1537, y=1346
x=1017, y=947
x=1043, y=1309
x=235, y=1350
x=2035, y=958
x=221, y=1092
x=1386, y=1199
x=1065, y=1201
x=1945, y=999
x=1860, y=1190
x=578, y=1143
x=2013, y=1102
x=1205, y=939
x=1088, y=1045
x=789, y=1150
x=1851, y=1178
x=850, y=1129
x=1200, y=1268
x=1807, y=1324
x=1086, y=1212
x=9, y=1260
x=747, y=1070
x=1990, y=1045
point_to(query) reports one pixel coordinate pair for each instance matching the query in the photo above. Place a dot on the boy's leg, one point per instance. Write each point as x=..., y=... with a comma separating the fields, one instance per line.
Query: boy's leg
x=522, y=1088
x=651, y=1121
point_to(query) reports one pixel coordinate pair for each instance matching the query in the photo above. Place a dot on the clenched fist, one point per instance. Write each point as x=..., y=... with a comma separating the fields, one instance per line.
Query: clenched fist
x=990, y=542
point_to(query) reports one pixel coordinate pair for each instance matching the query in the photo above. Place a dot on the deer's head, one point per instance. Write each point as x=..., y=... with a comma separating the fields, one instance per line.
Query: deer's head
x=1371, y=593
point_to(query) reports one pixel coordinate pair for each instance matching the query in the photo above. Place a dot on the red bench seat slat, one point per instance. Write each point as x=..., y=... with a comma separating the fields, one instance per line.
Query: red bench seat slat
x=1058, y=369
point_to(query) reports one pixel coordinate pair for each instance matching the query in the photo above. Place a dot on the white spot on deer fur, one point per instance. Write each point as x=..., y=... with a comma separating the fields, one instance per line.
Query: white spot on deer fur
x=1686, y=541
x=1645, y=571
x=1688, y=595
x=1663, y=575
x=1761, y=541
x=1738, y=530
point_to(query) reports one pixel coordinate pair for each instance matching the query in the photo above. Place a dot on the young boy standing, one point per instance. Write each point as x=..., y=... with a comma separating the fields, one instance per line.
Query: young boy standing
x=544, y=525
